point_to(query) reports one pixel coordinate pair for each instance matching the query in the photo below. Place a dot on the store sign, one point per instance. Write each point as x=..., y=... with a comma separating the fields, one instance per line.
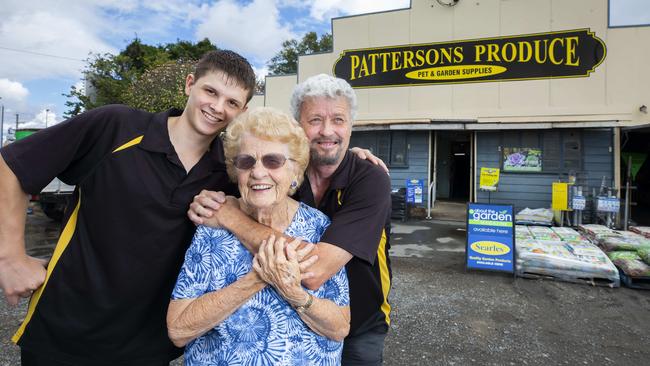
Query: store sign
x=608, y=204
x=562, y=54
x=489, y=179
x=490, y=237
x=414, y=189
x=560, y=196
x=578, y=203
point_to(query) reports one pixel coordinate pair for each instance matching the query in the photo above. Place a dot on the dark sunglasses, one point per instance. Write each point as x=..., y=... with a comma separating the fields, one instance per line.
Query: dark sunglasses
x=270, y=161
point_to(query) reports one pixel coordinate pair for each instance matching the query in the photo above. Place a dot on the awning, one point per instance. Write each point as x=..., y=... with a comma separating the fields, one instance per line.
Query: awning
x=477, y=125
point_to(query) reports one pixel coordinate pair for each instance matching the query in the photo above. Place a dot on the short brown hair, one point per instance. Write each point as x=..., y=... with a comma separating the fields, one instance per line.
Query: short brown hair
x=268, y=124
x=230, y=63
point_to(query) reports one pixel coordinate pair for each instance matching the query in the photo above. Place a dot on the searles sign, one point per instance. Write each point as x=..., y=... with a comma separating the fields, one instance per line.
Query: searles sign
x=571, y=53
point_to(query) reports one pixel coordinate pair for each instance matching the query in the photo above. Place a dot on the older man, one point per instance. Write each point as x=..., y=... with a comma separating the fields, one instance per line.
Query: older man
x=354, y=193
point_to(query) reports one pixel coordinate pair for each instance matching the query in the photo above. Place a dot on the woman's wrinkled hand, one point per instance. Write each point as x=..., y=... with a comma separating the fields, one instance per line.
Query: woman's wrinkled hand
x=277, y=264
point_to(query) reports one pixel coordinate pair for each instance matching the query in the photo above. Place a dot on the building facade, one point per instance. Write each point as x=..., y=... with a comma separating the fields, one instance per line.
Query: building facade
x=543, y=90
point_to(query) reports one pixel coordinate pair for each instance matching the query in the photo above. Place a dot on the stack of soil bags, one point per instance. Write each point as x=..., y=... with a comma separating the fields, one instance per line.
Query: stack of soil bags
x=643, y=230
x=537, y=216
x=631, y=264
x=563, y=254
x=595, y=232
x=568, y=234
x=629, y=251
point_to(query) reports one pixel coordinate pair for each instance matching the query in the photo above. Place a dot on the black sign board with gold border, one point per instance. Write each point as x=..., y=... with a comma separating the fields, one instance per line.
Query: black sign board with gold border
x=561, y=54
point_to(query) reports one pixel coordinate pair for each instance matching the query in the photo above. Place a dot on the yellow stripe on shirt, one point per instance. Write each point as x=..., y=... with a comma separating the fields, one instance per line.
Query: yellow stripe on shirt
x=384, y=275
x=61, y=245
x=133, y=142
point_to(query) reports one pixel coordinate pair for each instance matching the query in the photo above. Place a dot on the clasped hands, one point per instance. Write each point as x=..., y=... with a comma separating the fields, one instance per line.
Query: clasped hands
x=284, y=266
x=210, y=208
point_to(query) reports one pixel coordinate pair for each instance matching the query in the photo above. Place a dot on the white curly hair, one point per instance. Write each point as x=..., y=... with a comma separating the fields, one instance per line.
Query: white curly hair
x=323, y=85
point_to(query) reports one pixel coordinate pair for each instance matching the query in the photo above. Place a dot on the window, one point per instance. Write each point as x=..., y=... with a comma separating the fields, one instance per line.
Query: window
x=628, y=13
x=557, y=150
x=572, y=149
x=398, y=149
x=389, y=146
x=552, y=153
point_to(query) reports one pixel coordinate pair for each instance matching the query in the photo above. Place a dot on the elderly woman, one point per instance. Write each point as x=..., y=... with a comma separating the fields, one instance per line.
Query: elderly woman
x=235, y=309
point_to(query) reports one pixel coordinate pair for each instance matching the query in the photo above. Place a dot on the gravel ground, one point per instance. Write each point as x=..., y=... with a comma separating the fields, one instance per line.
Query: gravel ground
x=443, y=315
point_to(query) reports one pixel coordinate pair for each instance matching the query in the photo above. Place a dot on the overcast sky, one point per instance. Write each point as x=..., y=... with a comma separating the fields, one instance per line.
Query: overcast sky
x=43, y=43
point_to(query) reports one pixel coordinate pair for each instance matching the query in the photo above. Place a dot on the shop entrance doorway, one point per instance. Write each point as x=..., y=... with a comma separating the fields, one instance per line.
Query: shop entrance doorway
x=452, y=165
x=459, y=171
x=635, y=149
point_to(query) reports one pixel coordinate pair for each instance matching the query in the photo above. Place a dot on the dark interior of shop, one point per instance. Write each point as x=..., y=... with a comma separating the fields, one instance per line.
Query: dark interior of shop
x=460, y=170
x=636, y=150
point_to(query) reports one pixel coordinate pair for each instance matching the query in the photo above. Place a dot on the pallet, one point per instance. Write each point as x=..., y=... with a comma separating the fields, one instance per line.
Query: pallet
x=593, y=281
x=638, y=283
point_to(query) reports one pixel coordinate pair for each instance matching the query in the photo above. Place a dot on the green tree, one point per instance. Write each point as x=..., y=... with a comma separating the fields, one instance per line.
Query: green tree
x=160, y=88
x=185, y=50
x=109, y=78
x=286, y=61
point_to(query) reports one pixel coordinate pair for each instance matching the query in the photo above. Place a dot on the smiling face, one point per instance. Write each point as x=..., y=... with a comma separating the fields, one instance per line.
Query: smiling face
x=214, y=100
x=262, y=188
x=328, y=126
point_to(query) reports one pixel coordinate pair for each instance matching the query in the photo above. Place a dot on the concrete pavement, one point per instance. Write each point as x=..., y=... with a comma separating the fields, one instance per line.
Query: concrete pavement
x=424, y=238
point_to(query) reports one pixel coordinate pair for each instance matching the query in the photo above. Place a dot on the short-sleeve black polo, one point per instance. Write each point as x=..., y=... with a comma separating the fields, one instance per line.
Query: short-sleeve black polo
x=108, y=284
x=358, y=203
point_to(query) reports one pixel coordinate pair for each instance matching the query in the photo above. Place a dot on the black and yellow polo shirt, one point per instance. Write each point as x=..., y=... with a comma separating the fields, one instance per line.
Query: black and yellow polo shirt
x=358, y=203
x=108, y=284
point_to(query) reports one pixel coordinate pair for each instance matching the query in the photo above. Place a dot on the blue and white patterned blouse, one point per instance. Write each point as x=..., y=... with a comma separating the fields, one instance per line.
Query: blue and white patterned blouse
x=266, y=330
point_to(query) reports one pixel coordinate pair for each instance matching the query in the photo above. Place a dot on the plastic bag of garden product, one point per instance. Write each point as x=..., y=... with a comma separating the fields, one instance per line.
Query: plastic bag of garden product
x=529, y=248
x=578, y=261
x=522, y=232
x=566, y=233
x=623, y=240
x=543, y=233
x=644, y=254
x=541, y=216
x=633, y=235
x=588, y=253
x=595, y=232
x=643, y=230
x=630, y=263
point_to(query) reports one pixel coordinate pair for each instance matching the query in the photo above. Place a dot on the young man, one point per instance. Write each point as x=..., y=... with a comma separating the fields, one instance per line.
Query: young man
x=354, y=193
x=103, y=298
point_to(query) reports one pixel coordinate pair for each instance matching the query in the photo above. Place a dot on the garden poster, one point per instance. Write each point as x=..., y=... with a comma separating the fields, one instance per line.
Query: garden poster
x=522, y=159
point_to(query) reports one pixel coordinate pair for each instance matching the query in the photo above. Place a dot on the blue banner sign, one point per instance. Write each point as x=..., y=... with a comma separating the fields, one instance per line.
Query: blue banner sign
x=578, y=203
x=608, y=204
x=490, y=237
x=414, y=189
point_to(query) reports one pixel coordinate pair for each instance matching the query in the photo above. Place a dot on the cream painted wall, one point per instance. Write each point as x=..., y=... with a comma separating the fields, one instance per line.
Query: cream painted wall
x=616, y=90
x=278, y=92
x=256, y=101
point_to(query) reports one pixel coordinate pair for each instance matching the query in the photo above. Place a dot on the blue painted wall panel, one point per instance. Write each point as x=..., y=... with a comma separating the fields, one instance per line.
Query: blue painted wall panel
x=534, y=189
x=418, y=158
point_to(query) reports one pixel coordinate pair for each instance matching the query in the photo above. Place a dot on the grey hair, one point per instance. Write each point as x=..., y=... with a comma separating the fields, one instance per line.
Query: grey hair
x=323, y=85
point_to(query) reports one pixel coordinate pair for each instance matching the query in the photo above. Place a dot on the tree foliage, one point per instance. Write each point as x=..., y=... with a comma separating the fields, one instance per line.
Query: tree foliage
x=113, y=79
x=160, y=88
x=286, y=61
